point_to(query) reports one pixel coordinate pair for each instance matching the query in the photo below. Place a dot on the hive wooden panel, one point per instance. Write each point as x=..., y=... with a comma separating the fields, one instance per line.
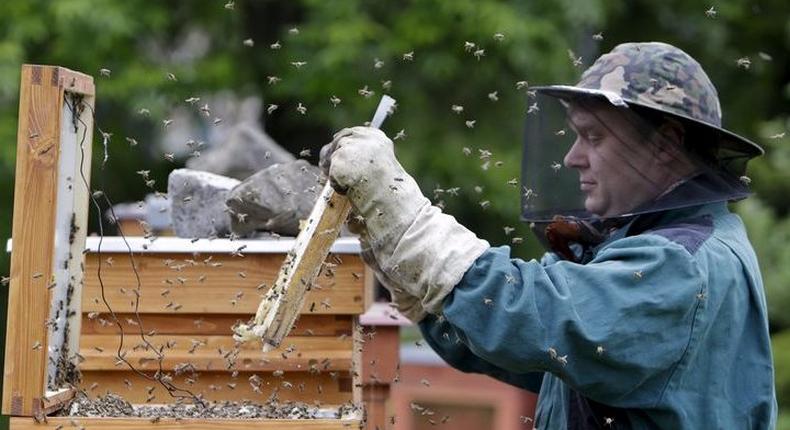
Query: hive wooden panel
x=38, y=156
x=184, y=424
x=331, y=389
x=212, y=324
x=100, y=353
x=223, y=284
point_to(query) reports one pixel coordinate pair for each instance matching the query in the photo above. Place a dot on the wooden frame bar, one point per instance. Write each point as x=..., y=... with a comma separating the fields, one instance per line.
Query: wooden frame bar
x=37, y=271
x=183, y=424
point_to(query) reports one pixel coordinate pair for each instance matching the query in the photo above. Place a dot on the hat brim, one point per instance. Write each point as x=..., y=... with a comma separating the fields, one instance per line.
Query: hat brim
x=726, y=139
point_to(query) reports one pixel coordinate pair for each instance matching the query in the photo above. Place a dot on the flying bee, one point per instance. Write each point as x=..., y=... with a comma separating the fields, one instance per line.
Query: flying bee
x=597, y=36
x=298, y=64
x=493, y=96
x=711, y=13
x=479, y=54
x=470, y=123
x=171, y=77
x=105, y=72
x=301, y=108
x=400, y=135
x=365, y=92
x=275, y=45
x=271, y=108
x=248, y=42
x=499, y=37
x=457, y=109
x=334, y=100
x=576, y=61
x=409, y=56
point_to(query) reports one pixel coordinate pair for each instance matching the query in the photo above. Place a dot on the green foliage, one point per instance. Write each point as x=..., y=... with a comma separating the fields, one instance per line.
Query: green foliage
x=769, y=235
x=781, y=349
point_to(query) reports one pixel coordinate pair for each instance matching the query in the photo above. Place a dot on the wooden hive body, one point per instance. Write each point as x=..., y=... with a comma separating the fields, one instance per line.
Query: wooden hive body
x=191, y=294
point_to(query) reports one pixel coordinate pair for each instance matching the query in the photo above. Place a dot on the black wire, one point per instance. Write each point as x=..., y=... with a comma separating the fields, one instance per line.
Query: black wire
x=171, y=388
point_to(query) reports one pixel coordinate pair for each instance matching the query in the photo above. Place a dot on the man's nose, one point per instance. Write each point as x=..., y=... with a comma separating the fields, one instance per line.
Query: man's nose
x=575, y=158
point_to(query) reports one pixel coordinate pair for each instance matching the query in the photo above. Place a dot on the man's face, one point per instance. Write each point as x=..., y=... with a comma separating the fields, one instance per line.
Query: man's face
x=617, y=167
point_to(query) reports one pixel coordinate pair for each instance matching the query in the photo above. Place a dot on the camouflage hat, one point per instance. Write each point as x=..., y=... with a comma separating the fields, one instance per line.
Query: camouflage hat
x=661, y=77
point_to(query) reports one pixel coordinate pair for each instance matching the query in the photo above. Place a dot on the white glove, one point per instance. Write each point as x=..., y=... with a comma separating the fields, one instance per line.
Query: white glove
x=416, y=246
x=409, y=306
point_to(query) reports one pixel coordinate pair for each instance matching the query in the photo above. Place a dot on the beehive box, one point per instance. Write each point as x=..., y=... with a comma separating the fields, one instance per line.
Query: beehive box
x=192, y=293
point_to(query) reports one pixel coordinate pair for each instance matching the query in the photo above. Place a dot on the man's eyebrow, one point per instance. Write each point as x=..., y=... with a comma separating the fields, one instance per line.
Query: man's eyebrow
x=578, y=126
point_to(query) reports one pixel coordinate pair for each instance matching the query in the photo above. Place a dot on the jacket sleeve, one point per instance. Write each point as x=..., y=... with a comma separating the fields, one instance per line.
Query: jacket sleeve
x=614, y=329
x=443, y=338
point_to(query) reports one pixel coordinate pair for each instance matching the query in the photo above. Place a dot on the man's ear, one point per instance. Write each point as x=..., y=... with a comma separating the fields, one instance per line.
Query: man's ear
x=668, y=141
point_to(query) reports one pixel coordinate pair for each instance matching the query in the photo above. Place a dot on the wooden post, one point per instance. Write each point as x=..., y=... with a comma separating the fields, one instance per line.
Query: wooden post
x=49, y=225
x=380, y=362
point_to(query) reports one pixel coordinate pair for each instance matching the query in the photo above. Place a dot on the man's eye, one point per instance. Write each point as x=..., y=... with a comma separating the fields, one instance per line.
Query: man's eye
x=593, y=138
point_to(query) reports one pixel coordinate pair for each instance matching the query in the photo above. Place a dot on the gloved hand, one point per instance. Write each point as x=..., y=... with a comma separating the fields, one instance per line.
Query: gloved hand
x=417, y=248
x=409, y=306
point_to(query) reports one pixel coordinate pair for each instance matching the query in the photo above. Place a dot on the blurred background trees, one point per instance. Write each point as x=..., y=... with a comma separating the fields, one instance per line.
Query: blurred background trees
x=158, y=54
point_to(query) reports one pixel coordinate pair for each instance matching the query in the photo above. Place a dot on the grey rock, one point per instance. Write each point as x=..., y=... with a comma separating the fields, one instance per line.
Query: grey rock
x=247, y=150
x=197, y=203
x=275, y=199
x=157, y=212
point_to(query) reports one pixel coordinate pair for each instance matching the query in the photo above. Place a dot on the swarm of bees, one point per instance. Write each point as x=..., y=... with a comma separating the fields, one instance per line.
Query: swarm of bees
x=188, y=373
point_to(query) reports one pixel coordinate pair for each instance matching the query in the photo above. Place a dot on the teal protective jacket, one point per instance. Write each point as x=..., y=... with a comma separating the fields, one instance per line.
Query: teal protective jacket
x=665, y=326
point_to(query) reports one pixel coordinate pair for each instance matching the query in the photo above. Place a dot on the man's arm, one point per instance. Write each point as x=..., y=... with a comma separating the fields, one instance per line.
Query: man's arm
x=443, y=339
x=614, y=329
